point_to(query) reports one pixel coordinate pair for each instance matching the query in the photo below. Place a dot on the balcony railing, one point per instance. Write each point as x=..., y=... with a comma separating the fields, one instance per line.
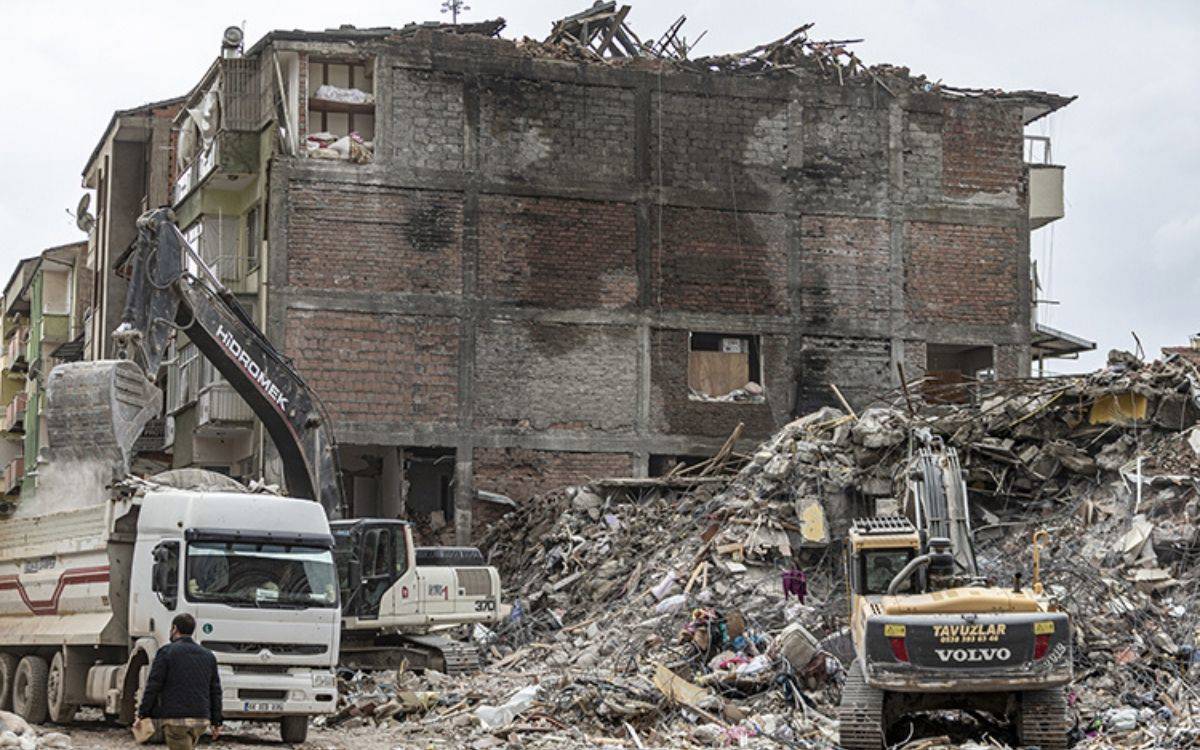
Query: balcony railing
x=15, y=349
x=10, y=481
x=220, y=411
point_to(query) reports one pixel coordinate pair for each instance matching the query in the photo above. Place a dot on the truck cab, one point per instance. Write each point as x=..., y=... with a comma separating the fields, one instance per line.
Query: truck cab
x=94, y=582
x=257, y=573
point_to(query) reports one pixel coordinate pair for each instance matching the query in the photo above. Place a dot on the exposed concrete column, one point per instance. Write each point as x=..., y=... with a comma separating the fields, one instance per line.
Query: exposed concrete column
x=464, y=453
x=898, y=320
x=464, y=494
x=391, y=484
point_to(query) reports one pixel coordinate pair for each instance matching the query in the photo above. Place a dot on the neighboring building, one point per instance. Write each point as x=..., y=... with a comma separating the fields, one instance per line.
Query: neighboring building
x=505, y=271
x=44, y=306
x=130, y=170
x=1189, y=353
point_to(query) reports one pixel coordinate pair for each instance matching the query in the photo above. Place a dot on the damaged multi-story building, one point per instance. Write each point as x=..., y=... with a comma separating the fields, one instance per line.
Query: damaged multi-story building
x=509, y=266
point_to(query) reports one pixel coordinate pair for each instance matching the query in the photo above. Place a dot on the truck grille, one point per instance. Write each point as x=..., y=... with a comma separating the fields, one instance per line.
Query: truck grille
x=474, y=581
x=258, y=694
x=260, y=669
x=279, y=649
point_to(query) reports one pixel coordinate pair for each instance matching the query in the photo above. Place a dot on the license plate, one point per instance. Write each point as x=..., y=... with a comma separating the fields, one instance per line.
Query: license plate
x=261, y=708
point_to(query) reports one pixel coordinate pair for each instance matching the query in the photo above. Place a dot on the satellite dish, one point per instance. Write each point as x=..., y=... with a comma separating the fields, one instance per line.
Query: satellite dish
x=232, y=37
x=84, y=220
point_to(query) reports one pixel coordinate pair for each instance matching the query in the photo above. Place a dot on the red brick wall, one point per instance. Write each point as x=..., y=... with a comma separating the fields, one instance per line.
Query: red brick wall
x=962, y=273
x=981, y=148
x=708, y=262
x=844, y=268
x=521, y=473
x=374, y=239
x=378, y=368
x=553, y=252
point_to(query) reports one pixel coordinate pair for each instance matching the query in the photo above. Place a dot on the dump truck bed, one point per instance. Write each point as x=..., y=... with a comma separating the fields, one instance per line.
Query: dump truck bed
x=55, y=583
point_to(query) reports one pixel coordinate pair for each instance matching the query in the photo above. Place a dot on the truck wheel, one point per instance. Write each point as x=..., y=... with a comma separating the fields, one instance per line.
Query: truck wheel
x=860, y=715
x=293, y=729
x=1043, y=719
x=29, y=689
x=8, y=673
x=61, y=712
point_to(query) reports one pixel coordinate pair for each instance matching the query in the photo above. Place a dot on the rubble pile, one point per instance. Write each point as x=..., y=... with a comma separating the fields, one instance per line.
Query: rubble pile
x=18, y=734
x=710, y=611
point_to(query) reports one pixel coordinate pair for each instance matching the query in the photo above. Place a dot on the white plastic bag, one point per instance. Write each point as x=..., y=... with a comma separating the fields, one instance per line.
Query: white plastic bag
x=494, y=717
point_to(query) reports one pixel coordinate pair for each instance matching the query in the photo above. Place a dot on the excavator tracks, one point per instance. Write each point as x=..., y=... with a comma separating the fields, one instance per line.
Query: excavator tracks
x=860, y=714
x=1044, y=719
x=456, y=657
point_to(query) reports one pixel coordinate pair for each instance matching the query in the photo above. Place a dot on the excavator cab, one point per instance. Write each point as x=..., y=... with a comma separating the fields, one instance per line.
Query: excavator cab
x=371, y=555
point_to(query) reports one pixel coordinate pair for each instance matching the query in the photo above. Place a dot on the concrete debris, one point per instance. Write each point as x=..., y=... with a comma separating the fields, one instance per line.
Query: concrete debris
x=18, y=734
x=683, y=614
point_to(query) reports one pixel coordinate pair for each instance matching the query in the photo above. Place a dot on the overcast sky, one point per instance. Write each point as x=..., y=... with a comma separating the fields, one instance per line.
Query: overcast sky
x=1126, y=257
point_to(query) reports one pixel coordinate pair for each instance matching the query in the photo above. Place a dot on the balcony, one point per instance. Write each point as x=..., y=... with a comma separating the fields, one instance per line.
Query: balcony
x=14, y=415
x=221, y=412
x=10, y=481
x=1045, y=183
x=15, y=351
x=232, y=150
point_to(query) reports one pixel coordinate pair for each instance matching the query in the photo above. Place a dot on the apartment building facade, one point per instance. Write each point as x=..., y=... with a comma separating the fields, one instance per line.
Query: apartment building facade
x=505, y=272
x=44, y=308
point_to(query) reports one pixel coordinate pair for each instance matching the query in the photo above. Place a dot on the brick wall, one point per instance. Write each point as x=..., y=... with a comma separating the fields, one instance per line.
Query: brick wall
x=845, y=160
x=552, y=131
x=372, y=368
x=374, y=239
x=956, y=273
x=550, y=376
x=859, y=367
x=557, y=253
x=427, y=119
x=923, y=156
x=718, y=143
x=982, y=148
x=711, y=260
x=521, y=473
x=844, y=268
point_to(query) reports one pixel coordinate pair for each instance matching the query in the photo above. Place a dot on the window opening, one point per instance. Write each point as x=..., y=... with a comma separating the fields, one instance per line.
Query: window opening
x=341, y=110
x=724, y=367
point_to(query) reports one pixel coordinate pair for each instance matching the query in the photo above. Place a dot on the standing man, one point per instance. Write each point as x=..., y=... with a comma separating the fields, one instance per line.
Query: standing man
x=183, y=691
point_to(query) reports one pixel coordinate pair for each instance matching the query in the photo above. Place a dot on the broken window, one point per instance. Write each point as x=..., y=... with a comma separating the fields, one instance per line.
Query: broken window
x=253, y=239
x=949, y=366
x=341, y=110
x=724, y=367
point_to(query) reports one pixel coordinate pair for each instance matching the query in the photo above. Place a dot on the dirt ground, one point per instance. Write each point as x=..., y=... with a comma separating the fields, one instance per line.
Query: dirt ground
x=238, y=735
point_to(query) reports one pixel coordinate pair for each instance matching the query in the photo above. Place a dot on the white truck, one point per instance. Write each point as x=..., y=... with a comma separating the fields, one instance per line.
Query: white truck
x=88, y=591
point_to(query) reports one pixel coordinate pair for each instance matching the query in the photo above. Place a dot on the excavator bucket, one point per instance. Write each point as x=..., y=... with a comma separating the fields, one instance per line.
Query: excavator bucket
x=99, y=409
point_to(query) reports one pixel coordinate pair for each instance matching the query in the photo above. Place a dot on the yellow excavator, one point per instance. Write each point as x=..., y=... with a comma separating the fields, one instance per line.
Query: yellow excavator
x=929, y=631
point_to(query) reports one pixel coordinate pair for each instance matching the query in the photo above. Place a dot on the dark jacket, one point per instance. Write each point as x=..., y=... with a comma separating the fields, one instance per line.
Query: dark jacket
x=183, y=684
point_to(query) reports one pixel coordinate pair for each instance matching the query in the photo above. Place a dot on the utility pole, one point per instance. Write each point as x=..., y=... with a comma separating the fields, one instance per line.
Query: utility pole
x=454, y=7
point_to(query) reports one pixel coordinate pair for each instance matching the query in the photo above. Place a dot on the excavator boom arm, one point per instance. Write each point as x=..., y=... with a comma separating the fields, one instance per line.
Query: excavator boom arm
x=163, y=297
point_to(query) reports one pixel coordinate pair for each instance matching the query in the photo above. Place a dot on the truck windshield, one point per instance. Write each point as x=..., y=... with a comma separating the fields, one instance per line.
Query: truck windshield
x=260, y=575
